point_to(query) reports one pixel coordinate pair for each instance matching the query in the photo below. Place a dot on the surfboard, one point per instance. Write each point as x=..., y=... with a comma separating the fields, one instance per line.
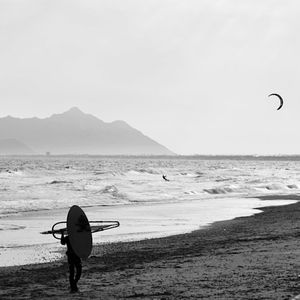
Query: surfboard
x=58, y=228
x=79, y=232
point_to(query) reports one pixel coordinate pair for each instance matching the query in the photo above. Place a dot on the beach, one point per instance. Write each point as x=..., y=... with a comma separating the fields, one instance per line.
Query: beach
x=23, y=244
x=253, y=257
x=149, y=151
x=37, y=192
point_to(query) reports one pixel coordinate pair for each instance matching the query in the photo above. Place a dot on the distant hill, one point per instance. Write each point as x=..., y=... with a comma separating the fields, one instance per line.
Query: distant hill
x=75, y=132
x=14, y=147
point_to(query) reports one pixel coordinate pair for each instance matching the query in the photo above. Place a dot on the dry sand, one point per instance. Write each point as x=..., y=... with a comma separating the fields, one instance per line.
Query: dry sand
x=253, y=257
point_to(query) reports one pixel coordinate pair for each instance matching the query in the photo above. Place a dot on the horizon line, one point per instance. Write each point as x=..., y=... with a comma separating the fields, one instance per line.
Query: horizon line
x=157, y=155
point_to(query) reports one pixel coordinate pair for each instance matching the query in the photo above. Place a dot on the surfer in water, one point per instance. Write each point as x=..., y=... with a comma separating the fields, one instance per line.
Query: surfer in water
x=165, y=178
x=74, y=262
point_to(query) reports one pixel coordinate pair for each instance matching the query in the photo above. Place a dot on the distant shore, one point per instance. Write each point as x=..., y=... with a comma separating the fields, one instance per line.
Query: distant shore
x=254, y=257
x=283, y=157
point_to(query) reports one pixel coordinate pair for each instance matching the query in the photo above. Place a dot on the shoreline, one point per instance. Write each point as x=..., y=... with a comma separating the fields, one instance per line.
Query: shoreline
x=254, y=257
x=23, y=245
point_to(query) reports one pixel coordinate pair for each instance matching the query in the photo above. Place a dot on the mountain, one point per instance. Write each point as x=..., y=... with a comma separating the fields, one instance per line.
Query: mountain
x=75, y=132
x=14, y=147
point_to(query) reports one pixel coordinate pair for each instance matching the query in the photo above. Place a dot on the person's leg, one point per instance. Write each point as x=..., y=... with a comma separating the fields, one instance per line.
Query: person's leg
x=78, y=271
x=71, y=276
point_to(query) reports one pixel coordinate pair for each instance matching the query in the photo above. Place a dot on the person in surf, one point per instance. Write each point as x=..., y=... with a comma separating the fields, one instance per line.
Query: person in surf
x=74, y=263
x=165, y=178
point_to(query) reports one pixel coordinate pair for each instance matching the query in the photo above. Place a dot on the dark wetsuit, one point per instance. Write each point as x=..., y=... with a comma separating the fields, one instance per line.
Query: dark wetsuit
x=74, y=262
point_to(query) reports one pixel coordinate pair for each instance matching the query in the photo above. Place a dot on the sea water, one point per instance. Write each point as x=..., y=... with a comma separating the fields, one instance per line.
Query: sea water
x=36, y=192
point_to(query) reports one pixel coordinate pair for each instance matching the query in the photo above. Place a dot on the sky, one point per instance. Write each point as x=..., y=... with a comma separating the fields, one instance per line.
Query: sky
x=194, y=75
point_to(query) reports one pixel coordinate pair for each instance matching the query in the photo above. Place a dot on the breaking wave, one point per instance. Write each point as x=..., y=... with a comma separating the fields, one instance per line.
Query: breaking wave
x=113, y=191
x=219, y=190
x=38, y=184
x=279, y=187
x=59, y=182
x=11, y=227
x=292, y=186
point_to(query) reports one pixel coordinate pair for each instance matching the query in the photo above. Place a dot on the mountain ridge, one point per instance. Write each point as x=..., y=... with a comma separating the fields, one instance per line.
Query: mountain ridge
x=75, y=132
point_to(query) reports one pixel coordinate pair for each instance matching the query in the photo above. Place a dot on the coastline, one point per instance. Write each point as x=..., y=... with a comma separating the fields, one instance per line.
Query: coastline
x=22, y=244
x=253, y=257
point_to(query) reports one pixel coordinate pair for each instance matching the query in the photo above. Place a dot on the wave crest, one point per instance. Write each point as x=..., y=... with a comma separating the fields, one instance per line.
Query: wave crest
x=219, y=190
x=113, y=191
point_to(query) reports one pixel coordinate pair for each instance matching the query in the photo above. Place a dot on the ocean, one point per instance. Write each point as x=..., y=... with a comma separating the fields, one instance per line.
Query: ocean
x=36, y=192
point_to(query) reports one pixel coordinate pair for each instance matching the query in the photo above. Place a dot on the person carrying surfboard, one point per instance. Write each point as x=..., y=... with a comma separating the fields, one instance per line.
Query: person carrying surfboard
x=74, y=263
x=78, y=239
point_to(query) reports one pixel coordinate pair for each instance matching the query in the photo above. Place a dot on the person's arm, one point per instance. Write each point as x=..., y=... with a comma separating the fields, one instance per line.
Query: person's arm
x=62, y=239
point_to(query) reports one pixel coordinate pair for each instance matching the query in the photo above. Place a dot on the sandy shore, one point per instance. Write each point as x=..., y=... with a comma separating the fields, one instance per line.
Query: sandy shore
x=24, y=244
x=255, y=257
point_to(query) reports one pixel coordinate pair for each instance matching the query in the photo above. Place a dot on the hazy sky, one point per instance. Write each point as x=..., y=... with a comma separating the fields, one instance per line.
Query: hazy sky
x=193, y=75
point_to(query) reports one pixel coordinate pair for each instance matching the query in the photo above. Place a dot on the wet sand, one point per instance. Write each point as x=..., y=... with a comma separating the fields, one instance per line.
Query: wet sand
x=256, y=257
x=24, y=244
